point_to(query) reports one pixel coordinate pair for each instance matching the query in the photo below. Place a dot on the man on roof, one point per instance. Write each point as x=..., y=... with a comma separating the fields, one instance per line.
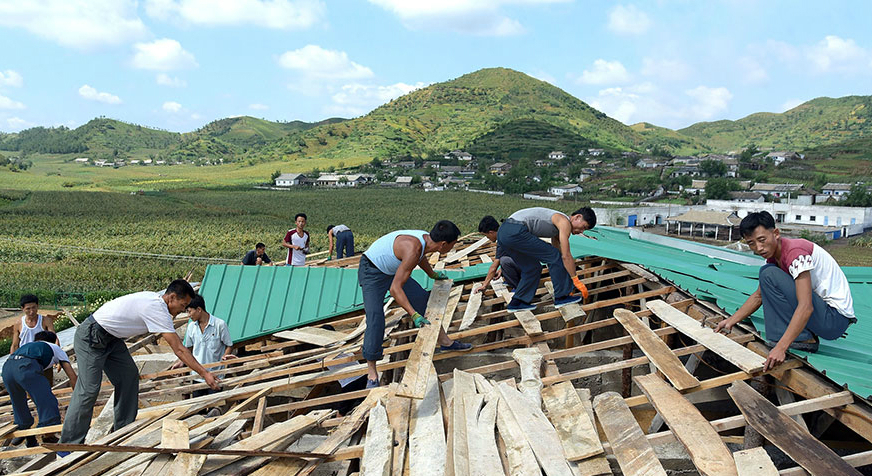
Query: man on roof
x=387, y=266
x=803, y=291
x=520, y=237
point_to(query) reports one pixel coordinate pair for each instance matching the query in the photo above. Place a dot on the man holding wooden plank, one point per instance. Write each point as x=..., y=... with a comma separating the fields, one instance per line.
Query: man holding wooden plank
x=387, y=266
x=803, y=291
x=520, y=238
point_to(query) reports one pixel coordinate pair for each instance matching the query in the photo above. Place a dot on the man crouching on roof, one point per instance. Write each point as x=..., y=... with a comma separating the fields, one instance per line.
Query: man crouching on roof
x=803, y=291
x=387, y=266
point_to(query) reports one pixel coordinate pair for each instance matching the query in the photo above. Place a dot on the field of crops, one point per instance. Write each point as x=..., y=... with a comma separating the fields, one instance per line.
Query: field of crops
x=50, y=242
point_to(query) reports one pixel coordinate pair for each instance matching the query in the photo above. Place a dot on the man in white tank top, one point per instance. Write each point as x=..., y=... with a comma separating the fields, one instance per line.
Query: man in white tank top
x=31, y=323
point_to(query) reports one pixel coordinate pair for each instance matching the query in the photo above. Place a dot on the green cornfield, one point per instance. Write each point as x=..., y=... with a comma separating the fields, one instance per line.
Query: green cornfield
x=59, y=244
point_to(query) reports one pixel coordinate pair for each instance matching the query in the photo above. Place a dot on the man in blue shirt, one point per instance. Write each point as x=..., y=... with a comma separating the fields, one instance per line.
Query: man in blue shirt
x=23, y=374
x=207, y=337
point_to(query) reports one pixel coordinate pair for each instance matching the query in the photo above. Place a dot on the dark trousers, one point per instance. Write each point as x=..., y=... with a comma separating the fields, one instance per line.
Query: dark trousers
x=374, y=286
x=511, y=273
x=344, y=242
x=23, y=375
x=779, y=302
x=97, y=352
x=528, y=251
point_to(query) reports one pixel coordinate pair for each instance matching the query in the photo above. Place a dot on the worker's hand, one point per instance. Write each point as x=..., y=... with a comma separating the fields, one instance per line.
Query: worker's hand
x=440, y=275
x=480, y=287
x=177, y=365
x=329, y=258
x=259, y=261
x=776, y=357
x=580, y=286
x=213, y=381
x=419, y=320
x=499, y=273
x=229, y=357
x=725, y=325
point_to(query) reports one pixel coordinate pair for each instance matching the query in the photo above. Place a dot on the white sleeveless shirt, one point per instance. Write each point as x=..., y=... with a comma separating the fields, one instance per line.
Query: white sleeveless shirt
x=28, y=334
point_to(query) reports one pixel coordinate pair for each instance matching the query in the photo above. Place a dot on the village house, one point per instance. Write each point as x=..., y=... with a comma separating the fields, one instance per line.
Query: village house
x=500, y=169
x=696, y=186
x=594, y=152
x=557, y=155
x=747, y=197
x=544, y=163
x=780, y=157
x=649, y=163
x=403, y=181
x=406, y=164
x=835, y=191
x=689, y=170
x=777, y=190
x=586, y=174
x=81, y=160
x=291, y=180
x=340, y=180
x=432, y=163
x=565, y=190
x=594, y=163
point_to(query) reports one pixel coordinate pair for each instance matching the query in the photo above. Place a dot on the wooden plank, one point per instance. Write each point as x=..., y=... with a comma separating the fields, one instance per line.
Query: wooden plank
x=709, y=454
x=313, y=335
x=639, y=271
x=174, y=434
x=720, y=344
x=575, y=429
x=595, y=465
x=786, y=434
x=569, y=311
x=471, y=311
x=856, y=460
x=464, y=386
x=526, y=318
x=520, y=460
x=785, y=396
x=657, y=351
x=427, y=446
x=480, y=424
x=236, y=453
x=754, y=462
x=457, y=256
x=417, y=373
x=634, y=454
x=540, y=434
x=453, y=301
x=378, y=448
x=486, y=259
x=398, y=410
x=257, y=426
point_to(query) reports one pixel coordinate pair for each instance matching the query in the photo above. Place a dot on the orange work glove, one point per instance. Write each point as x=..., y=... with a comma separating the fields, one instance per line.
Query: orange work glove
x=580, y=286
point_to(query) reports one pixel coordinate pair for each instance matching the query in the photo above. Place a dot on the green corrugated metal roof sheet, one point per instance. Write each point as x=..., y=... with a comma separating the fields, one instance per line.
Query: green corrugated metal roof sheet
x=260, y=300
x=846, y=361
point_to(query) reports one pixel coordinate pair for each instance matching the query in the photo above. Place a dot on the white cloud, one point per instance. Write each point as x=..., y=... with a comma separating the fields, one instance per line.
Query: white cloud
x=196, y=116
x=358, y=99
x=628, y=20
x=16, y=124
x=316, y=62
x=164, y=79
x=709, y=101
x=11, y=78
x=461, y=16
x=92, y=94
x=666, y=69
x=171, y=106
x=790, y=104
x=164, y=54
x=605, y=72
x=7, y=103
x=836, y=54
x=80, y=24
x=258, y=107
x=277, y=14
x=751, y=71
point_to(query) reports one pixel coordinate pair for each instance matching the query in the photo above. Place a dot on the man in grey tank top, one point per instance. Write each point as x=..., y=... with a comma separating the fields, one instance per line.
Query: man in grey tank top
x=387, y=266
x=520, y=238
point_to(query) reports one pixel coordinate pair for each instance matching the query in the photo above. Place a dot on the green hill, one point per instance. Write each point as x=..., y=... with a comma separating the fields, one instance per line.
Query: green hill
x=455, y=113
x=247, y=131
x=669, y=140
x=528, y=138
x=814, y=123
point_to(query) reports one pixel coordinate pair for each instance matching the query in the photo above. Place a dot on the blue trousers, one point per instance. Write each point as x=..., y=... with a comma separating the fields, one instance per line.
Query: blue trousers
x=779, y=302
x=23, y=375
x=528, y=251
x=344, y=241
x=375, y=285
x=511, y=272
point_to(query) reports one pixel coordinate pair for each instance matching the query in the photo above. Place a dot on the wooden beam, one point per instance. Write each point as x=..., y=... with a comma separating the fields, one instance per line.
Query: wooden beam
x=378, y=448
x=426, y=434
x=656, y=350
x=414, y=382
x=526, y=318
x=569, y=417
x=754, y=462
x=634, y=453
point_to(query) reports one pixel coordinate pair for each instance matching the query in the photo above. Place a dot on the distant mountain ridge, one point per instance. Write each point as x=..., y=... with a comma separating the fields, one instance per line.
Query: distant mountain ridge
x=495, y=112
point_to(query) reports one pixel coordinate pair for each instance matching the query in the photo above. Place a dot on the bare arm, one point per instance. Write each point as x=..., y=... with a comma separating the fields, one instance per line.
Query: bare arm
x=751, y=305
x=407, y=249
x=16, y=338
x=188, y=358
x=228, y=353
x=491, y=273
x=48, y=324
x=330, y=238
x=71, y=374
x=564, y=229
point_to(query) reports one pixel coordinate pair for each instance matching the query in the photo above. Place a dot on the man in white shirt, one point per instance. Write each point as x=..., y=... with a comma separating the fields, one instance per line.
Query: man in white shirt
x=99, y=345
x=207, y=337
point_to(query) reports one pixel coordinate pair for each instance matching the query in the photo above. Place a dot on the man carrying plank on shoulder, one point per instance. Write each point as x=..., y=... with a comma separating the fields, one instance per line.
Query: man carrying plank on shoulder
x=520, y=238
x=803, y=291
x=387, y=266
x=100, y=347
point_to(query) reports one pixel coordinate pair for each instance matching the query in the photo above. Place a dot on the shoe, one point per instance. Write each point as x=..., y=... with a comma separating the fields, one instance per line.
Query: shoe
x=214, y=412
x=50, y=439
x=16, y=441
x=63, y=454
x=565, y=300
x=456, y=345
x=31, y=442
x=371, y=383
x=517, y=305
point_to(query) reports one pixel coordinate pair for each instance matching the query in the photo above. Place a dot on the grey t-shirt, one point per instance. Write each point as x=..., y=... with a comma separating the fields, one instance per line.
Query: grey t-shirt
x=538, y=221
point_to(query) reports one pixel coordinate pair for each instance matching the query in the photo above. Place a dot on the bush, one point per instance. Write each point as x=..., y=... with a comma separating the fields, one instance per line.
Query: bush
x=862, y=242
x=5, y=345
x=817, y=238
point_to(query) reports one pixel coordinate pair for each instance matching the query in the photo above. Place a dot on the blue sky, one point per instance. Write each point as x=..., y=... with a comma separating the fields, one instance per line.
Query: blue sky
x=179, y=64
